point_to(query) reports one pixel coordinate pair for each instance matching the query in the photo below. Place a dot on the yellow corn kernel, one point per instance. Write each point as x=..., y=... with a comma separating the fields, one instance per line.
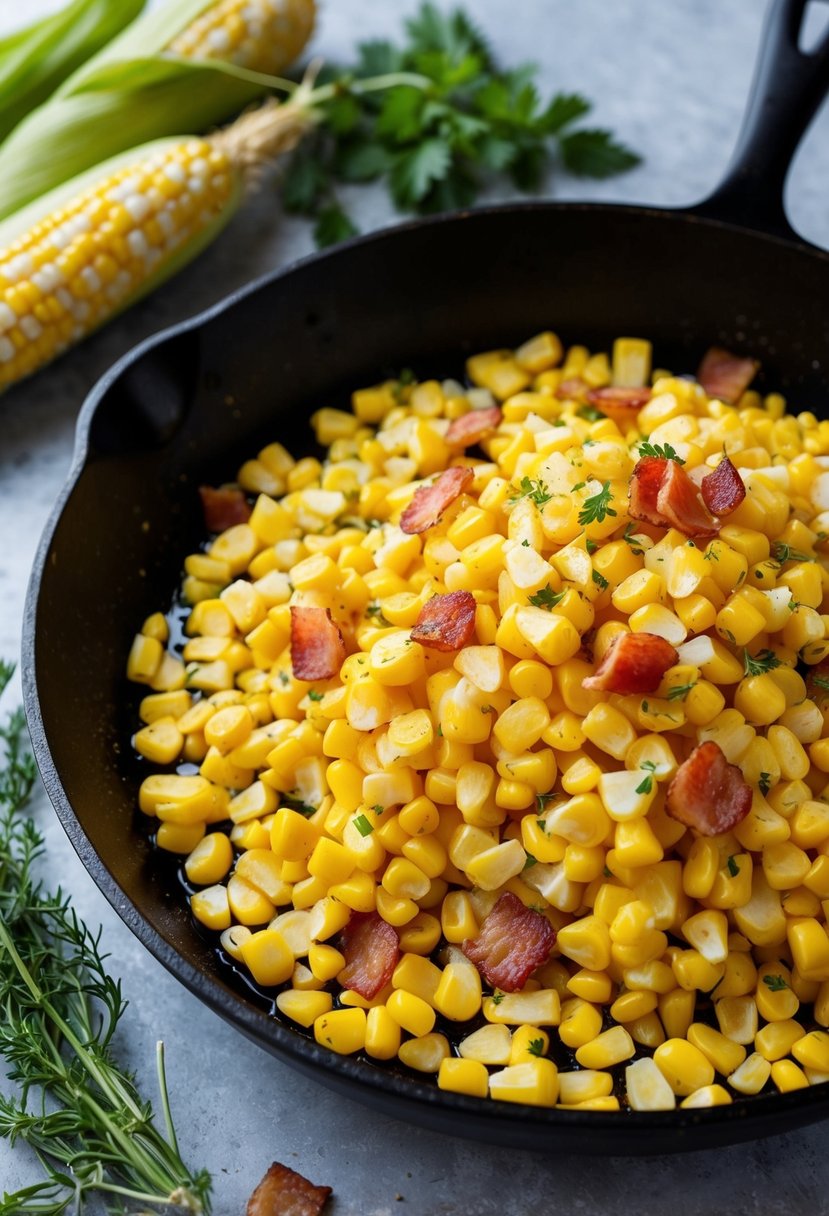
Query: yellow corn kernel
x=587, y=942
x=750, y=1077
x=458, y=995
x=210, y=861
x=580, y=1023
x=342, y=1030
x=684, y=1066
x=647, y=1087
x=144, y=659
x=211, y=908
x=724, y=1054
x=463, y=1077
x=786, y=1075
x=541, y=1007
x=676, y=1009
x=606, y=1049
x=534, y=1082
x=809, y=944
x=411, y=1012
x=179, y=837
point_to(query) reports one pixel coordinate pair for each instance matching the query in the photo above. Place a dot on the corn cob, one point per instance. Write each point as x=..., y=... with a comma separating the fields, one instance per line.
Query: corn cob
x=35, y=60
x=263, y=35
x=74, y=259
x=183, y=67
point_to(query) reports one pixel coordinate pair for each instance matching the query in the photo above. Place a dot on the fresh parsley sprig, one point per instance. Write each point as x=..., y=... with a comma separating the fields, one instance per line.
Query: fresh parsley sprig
x=597, y=506
x=437, y=118
x=81, y=1113
x=661, y=451
x=536, y=491
x=756, y=665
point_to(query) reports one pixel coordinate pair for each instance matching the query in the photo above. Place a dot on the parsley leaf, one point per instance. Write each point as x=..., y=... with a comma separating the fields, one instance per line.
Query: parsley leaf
x=783, y=553
x=590, y=414
x=764, y=783
x=645, y=786
x=536, y=1047
x=546, y=598
x=756, y=665
x=630, y=538
x=436, y=117
x=534, y=490
x=597, y=507
x=821, y=682
x=661, y=451
x=775, y=983
x=315, y=695
x=733, y=868
x=600, y=581
x=680, y=691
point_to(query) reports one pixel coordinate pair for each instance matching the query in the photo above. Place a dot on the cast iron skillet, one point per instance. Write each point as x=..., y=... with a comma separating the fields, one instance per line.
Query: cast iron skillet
x=187, y=406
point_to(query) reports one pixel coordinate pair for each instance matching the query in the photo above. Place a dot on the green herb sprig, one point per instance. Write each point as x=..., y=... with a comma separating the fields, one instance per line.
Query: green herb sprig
x=597, y=506
x=81, y=1113
x=437, y=118
x=661, y=451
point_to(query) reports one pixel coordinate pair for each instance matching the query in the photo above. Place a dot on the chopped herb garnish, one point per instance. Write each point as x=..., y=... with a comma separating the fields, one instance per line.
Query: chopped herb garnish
x=756, y=665
x=590, y=414
x=680, y=691
x=315, y=695
x=403, y=381
x=497, y=997
x=590, y=546
x=525, y=543
x=781, y=552
x=578, y=486
x=531, y=861
x=645, y=786
x=600, y=581
x=378, y=809
x=546, y=598
x=608, y=873
x=536, y=1047
x=711, y=555
x=661, y=451
x=487, y=709
x=775, y=982
x=597, y=507
x=363, y=825
x=536, y=491
x=284, y=678
x=733, y=867
x=630, y=538
x=764, y=783
x=821, y=682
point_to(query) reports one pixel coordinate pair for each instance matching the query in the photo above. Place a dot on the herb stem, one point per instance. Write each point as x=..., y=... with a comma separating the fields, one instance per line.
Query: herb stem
x=165, y=1096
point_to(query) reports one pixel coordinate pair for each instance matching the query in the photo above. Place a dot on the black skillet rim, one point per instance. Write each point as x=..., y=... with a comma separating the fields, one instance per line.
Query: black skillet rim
x=402, y=1096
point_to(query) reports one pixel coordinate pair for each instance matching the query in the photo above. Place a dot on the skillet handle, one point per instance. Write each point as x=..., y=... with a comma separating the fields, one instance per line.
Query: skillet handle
x=788, y=86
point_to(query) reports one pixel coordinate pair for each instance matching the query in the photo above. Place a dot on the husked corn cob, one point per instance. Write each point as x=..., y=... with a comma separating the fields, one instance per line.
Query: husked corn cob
x=82, y=254
x=182, y=67
x=263, y=35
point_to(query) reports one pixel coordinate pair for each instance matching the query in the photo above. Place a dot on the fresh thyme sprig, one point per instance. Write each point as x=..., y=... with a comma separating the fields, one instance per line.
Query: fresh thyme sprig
x=436, y=117
x=82, y=1115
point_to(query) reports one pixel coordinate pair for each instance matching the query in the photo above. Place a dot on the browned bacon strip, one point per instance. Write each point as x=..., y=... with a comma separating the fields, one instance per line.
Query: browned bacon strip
x=635, y=663
x=446, y=622
x=723, y=490
x=430, y=502
x=724, y=375
x=662, y=493
x=512, y=941
x=470, y=428
x=620, y=404
x=371, y=948
x=708, y=794
x=284, y=1192
x=317, y=646
x=223, y=507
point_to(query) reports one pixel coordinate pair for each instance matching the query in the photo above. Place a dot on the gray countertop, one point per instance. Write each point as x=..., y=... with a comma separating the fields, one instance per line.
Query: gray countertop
x=672, y=80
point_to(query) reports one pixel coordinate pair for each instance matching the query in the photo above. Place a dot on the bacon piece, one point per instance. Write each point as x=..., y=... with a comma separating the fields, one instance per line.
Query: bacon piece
x=317, y=646
x=573, y=389
x=635, y=663
x=430, y=502
x=620, y=404
x=371, y=948
x=708, y=794
x=470, y=428
x=662, y=493
x=723, y=490
x=446, y=622
x=223, y=507
x=724, y=375
x=512, y=941
x=284, y=1192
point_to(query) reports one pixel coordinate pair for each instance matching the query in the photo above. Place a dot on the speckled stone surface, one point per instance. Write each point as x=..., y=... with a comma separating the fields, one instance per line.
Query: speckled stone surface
x=672, y=79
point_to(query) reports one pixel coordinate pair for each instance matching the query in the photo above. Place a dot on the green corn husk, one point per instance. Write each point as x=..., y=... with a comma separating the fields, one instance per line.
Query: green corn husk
x=130, y=93
x=36, y=60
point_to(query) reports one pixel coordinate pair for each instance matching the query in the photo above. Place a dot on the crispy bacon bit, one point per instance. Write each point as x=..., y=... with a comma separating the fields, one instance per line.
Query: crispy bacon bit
x=371, y=948
x=512, y=941
x=446, y=622
x=635, y=663
x=470, y=428
x=573, y=389
x=284, y=1192
x=317, y=646
x=662, y=493
x=723, y=490
x=430, y=502
x=708, y=794
x=223, y=507
x=620, y=404
x=724, y=375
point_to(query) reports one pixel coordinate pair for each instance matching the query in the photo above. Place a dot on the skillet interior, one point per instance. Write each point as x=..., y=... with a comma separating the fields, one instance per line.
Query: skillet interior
x=189, y=405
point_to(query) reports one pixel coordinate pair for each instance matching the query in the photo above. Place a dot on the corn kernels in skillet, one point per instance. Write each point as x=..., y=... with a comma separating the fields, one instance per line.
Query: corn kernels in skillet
x=421, y=785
